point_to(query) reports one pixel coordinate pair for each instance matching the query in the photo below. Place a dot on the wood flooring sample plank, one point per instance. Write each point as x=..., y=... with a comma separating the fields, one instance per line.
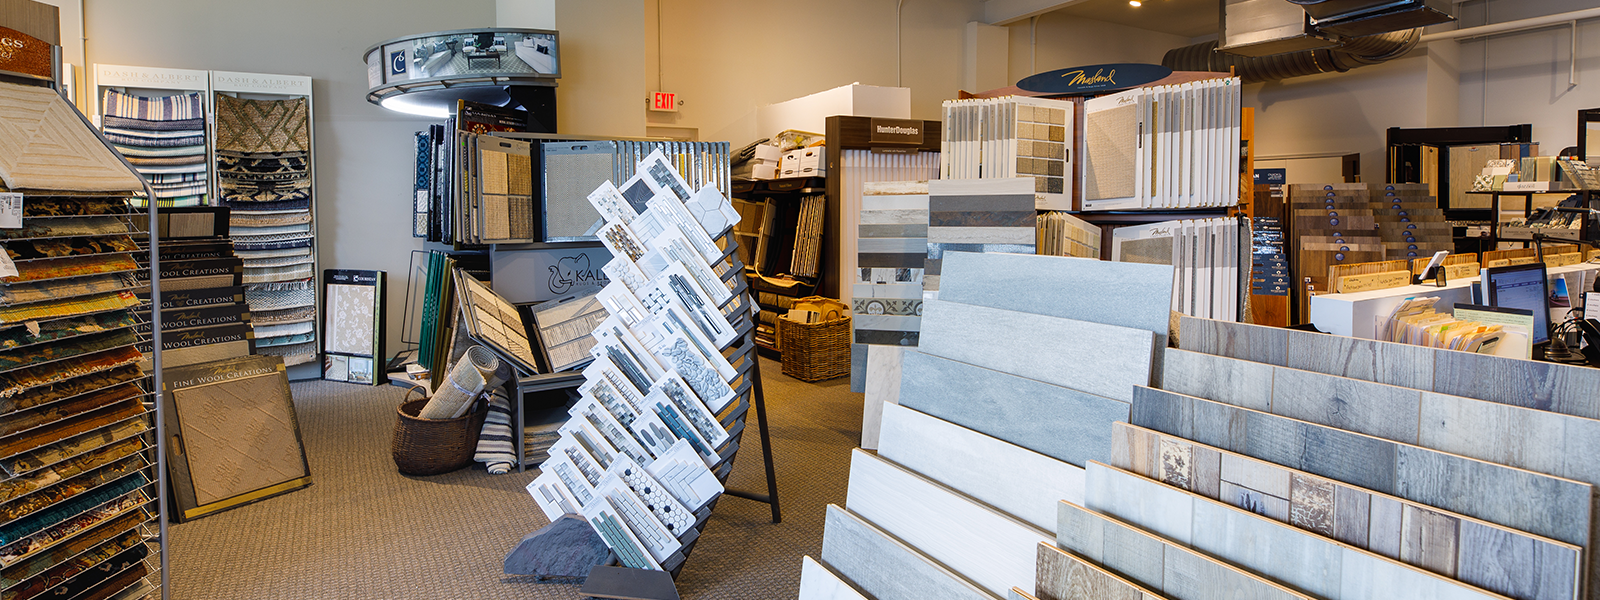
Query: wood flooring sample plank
x=1544, y=505
x=1165, y=511
x=1063, y=576
x=1157, y=564
x=1566, y=389
x=1300, y=559
x=1062, y=423
x=985, y=546
x=885, y=568
x=1499, y=559
x=1402, y=365
x=1112, y=293
x=817, y=582
x=1374, y=409
x=882, y=386
x=1018, y=481
x=1104, y=359
x=1255, y=343
x=1227, y=380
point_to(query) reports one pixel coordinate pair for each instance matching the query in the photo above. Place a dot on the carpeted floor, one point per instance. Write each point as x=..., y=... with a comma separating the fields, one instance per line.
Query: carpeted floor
x=363, y=531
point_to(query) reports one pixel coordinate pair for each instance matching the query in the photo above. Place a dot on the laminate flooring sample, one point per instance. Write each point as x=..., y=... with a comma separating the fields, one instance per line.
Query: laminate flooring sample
x=1155, y=563
x=1255, y=343
x=1544, y=505
x=1565, y=389
x=1104, y=359
x=1062, y=423
x=882, y=386
x=1112, y=293
x=818, y=582
x=1236, y=382
x=1016, y=593
x=1063, y=576
x=1013, y=479
x=1299, y=559
x=985, y=546
x=1403, y=365
x=1495, y=558
x=885, y=568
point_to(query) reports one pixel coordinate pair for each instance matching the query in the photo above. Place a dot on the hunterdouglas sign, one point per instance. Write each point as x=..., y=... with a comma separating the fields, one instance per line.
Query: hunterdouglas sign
x=1094, y=79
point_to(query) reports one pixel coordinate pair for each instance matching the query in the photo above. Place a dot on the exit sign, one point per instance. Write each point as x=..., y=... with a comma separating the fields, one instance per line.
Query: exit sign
x=664, y=102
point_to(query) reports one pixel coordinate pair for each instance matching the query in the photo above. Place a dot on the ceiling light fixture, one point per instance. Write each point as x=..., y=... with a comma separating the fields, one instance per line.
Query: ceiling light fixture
x=1135, y=3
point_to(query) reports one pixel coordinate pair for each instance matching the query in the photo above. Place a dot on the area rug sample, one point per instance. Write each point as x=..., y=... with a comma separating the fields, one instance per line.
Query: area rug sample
x=70, y=307
x=239, y=437
x=71, y=387
x=45, y=145
x=245, y=125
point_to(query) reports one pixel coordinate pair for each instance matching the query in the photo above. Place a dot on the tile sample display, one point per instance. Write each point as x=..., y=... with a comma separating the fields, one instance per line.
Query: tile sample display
x=1543, y=505
x=1019, y=482
x=1155, y=563
x=817, y=582
x=1112, y=293
x=1062, y=423
x=986, y=546
x=977, y=215
x=1064, y=576
x=892, y=247
x=1489, y=556
x=1299, y=559
x=1107, y=360
x=886, y=569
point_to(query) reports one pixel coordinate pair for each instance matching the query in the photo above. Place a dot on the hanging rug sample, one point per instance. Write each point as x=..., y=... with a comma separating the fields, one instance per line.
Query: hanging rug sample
x=276, y=274
x=55, y=412
x=144, y=142
x=17, y=337
x=261, y=254
x=38, y=438
x=32, y=524
x=282, y=261
x=279, y=297
x=273, y=242
x=266, y=168
x=290, y=315
x=22, y=380
x=283, y=340
x=57, y=248
x=266, y=331
x=114, y=513
x=23, y=293
x=169, y=108
x=71, y=387
x=285, y=186
x=70, y=307
x=237, y=219
x=156, y=135
x=41, y=353
x=236, y=231
x=151, y=152
x=69, y=489
x=295, y=354
x=19, y=487
x=65, y=206
x=73, y=266
x=184, y=202
x=165, y=161
x=113, y=121
x=166, y=169
x=248, y=195
x=39, y=228
x=245, y=125
x=45, y=145
x=287, y=205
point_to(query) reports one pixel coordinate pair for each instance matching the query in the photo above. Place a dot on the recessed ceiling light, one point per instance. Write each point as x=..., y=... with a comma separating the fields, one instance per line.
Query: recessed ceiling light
x=1135, y=3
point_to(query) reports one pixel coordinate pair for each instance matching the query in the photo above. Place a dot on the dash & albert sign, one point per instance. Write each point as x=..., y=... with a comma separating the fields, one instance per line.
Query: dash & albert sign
x=24, y=54
x=1094, y=79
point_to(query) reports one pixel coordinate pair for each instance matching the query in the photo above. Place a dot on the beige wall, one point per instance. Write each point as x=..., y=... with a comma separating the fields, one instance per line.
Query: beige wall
x=363, y=152
x=1064, y=41
x=727, y=57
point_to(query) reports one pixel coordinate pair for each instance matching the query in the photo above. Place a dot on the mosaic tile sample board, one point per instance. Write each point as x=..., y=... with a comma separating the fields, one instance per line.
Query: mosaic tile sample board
x=982, y=215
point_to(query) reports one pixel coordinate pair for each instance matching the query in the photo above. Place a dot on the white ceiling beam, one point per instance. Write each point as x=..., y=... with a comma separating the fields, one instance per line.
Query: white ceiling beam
x=1006, y=12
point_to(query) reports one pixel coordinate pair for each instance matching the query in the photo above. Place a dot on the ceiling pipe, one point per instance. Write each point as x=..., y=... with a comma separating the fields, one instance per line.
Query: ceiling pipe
x=1355, y=52
x=1514, y=26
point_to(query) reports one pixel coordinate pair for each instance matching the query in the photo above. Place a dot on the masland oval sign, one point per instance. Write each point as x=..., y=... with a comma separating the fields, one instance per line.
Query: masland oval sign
x=1094, y=79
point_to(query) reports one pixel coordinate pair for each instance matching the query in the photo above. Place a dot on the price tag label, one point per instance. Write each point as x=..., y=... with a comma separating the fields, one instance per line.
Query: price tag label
x=7, y=268
x=10, y=210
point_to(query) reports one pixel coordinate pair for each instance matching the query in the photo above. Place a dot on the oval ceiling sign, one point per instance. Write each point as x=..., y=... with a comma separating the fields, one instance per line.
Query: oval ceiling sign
x=1094, y=79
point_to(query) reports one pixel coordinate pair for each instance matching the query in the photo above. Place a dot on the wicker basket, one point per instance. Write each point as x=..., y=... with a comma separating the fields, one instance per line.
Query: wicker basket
x=815, y=351
x=430, y=446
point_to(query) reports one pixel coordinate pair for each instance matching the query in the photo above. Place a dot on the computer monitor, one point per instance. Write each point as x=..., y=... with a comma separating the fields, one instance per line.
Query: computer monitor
x=1524, y=287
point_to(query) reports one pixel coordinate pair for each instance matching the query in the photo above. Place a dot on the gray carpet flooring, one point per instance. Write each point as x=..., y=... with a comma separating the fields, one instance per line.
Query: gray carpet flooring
x=363, y=531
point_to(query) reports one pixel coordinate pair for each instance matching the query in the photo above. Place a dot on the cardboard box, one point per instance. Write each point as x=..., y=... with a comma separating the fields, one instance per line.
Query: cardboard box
x=764, y=171
x=768, y=153
x=791, y=161
x=814, y=158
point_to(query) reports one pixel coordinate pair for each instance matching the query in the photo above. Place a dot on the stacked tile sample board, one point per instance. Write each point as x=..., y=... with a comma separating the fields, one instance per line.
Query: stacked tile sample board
x=79, y=487
x=906, y=229
x=1026, y=450
x=648, y=446
x=1337, y=224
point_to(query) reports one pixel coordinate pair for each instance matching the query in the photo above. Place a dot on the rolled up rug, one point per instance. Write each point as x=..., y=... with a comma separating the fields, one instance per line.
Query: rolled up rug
x=495, y=449
x=463, y=384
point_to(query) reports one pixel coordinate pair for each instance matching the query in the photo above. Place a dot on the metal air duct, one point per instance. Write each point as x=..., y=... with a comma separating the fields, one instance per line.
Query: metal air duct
x=1351, y=53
